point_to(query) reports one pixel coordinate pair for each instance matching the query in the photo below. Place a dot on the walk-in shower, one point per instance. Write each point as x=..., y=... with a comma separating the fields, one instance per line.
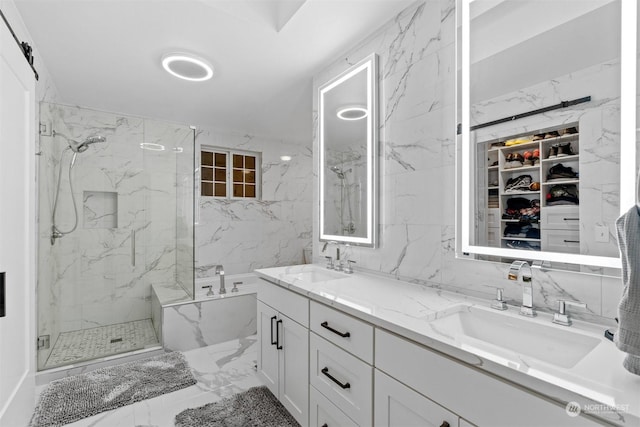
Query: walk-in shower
x=76, y=147
x=126, y=214
x=347, y=226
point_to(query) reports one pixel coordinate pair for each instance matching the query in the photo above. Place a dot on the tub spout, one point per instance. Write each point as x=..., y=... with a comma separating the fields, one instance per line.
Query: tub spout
x=220, y=272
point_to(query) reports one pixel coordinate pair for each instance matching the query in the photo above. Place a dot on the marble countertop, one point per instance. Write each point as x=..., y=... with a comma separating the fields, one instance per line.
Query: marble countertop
x=598, y=382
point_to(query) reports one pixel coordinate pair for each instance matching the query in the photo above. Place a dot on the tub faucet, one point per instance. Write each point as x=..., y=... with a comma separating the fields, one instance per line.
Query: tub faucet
x=220, y=272
x=522, y=269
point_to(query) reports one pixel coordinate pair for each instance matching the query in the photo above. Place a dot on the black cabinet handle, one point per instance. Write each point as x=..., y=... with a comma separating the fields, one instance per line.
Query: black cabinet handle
x=325, y=371
x=571, y=241
x=445, y=424
x=342, y=334
x=278, y=346
x=571, y=219
x=272, y=341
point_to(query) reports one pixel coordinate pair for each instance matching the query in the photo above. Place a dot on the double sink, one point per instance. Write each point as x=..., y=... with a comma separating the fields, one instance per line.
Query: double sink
x=482, y=329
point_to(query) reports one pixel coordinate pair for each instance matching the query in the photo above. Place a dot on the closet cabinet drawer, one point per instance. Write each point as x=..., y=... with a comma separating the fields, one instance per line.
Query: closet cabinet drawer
x=560, y=218
x=295, y=306
x=323, y=413
x=345, y=331
x=566, y=241
x=344, y=379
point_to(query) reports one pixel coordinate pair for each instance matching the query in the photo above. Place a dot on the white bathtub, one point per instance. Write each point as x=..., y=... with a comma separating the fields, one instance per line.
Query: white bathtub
x=247, y=284
x=209, y=320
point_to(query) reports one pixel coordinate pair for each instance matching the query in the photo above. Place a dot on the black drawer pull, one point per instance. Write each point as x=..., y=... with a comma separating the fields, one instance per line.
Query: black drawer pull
x=278, y=346
x=571, y=219
x=325, y=371
x=444, y=424
x=342, y=334
x=571, y=241
x=272, y=341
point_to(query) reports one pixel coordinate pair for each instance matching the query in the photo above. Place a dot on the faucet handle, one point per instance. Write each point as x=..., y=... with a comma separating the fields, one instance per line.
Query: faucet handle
x=499, y=303
x=329, y=262
x=349, y=267
x=562, y=316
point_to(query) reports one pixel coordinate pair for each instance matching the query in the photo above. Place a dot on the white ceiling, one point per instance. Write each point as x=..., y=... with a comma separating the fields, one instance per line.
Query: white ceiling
x=105, y=54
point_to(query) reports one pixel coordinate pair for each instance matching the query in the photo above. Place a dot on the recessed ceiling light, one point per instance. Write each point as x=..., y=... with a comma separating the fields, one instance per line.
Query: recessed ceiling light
x=151, y=146
x=352, y=112
x=285, y=158
x=187, y=67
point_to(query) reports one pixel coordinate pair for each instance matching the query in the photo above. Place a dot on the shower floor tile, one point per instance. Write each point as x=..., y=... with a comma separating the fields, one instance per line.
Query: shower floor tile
x=78, y=346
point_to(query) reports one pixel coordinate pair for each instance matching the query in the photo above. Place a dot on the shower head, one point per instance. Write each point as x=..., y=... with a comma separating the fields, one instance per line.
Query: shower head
x=81, y=147
x=339, y=171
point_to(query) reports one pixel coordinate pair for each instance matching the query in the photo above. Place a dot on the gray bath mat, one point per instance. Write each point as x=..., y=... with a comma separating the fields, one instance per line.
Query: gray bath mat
x=256, y=407
x=80, y=396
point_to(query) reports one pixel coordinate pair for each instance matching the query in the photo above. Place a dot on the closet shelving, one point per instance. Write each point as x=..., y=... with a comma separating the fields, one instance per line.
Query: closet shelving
x=499, y=171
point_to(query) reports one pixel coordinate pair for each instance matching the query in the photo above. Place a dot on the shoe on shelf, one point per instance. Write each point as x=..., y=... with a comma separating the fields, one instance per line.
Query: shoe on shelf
x=534, y=186
x=552, y=134
x=517, y=141
x=560, y=171
x=553, y=151
x=563, y=195
x=519, y=183
x=538, y=137
x=515, y=161
x=569, y=131
x=565, y=150
x=535, y=158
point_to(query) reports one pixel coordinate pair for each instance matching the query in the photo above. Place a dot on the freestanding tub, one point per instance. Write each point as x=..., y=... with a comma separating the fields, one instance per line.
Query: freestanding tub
x=185, y=324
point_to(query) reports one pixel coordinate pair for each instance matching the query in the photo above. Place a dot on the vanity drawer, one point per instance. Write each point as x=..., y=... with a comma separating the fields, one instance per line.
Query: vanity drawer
x=480, y=398
x=285, y=301
x=344, y=379
x=560, y=218
x=333, y=325
x=567, y=241
x=323, y=413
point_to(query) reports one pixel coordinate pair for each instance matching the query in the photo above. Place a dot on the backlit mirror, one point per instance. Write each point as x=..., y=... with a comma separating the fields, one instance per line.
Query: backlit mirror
x=547, y=135
x=348, y=155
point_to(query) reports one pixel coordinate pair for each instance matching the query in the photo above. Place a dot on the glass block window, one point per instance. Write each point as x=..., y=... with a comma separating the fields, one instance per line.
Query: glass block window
x=229, y=173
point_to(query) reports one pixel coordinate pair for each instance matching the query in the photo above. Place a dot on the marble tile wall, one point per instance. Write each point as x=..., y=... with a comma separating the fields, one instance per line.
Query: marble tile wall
x=199, y=324
x=243, y=235
x=88, y=278
x=418, y=170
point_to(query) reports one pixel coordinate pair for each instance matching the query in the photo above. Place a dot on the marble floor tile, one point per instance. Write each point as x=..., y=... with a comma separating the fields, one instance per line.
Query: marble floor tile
x=221, y=370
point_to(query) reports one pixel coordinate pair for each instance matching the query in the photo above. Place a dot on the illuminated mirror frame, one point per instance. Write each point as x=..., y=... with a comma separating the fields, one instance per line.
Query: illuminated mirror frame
x=628, y=58
x=370, y=65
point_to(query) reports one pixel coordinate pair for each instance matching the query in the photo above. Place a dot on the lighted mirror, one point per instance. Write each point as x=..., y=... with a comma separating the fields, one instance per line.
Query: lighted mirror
x=547, y=136
x=347, y=122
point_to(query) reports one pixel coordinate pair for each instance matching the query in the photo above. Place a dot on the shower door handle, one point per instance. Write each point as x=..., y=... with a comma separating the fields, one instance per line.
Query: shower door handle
x=133, y=248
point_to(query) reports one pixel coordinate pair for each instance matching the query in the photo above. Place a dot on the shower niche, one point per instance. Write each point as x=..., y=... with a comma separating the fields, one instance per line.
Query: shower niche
x=100, y=209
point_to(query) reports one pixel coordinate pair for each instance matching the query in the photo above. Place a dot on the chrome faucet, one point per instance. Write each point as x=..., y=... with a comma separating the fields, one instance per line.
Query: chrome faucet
x=220, y=272
x=522, y=269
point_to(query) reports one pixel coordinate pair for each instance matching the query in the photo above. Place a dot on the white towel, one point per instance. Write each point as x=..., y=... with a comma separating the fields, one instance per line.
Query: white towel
x=627, y=338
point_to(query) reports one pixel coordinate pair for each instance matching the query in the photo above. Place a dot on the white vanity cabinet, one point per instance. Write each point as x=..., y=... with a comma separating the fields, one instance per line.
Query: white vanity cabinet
x=398, y=405
x=283, y=351
x=478, y=397
x=340, y=366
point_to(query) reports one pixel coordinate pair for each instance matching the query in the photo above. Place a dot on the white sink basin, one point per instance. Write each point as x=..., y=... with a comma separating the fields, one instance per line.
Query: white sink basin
x=318, y=276
x=556, y=345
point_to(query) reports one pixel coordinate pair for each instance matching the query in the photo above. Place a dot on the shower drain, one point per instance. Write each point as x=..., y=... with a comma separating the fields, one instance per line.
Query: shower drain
x=115, y=340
